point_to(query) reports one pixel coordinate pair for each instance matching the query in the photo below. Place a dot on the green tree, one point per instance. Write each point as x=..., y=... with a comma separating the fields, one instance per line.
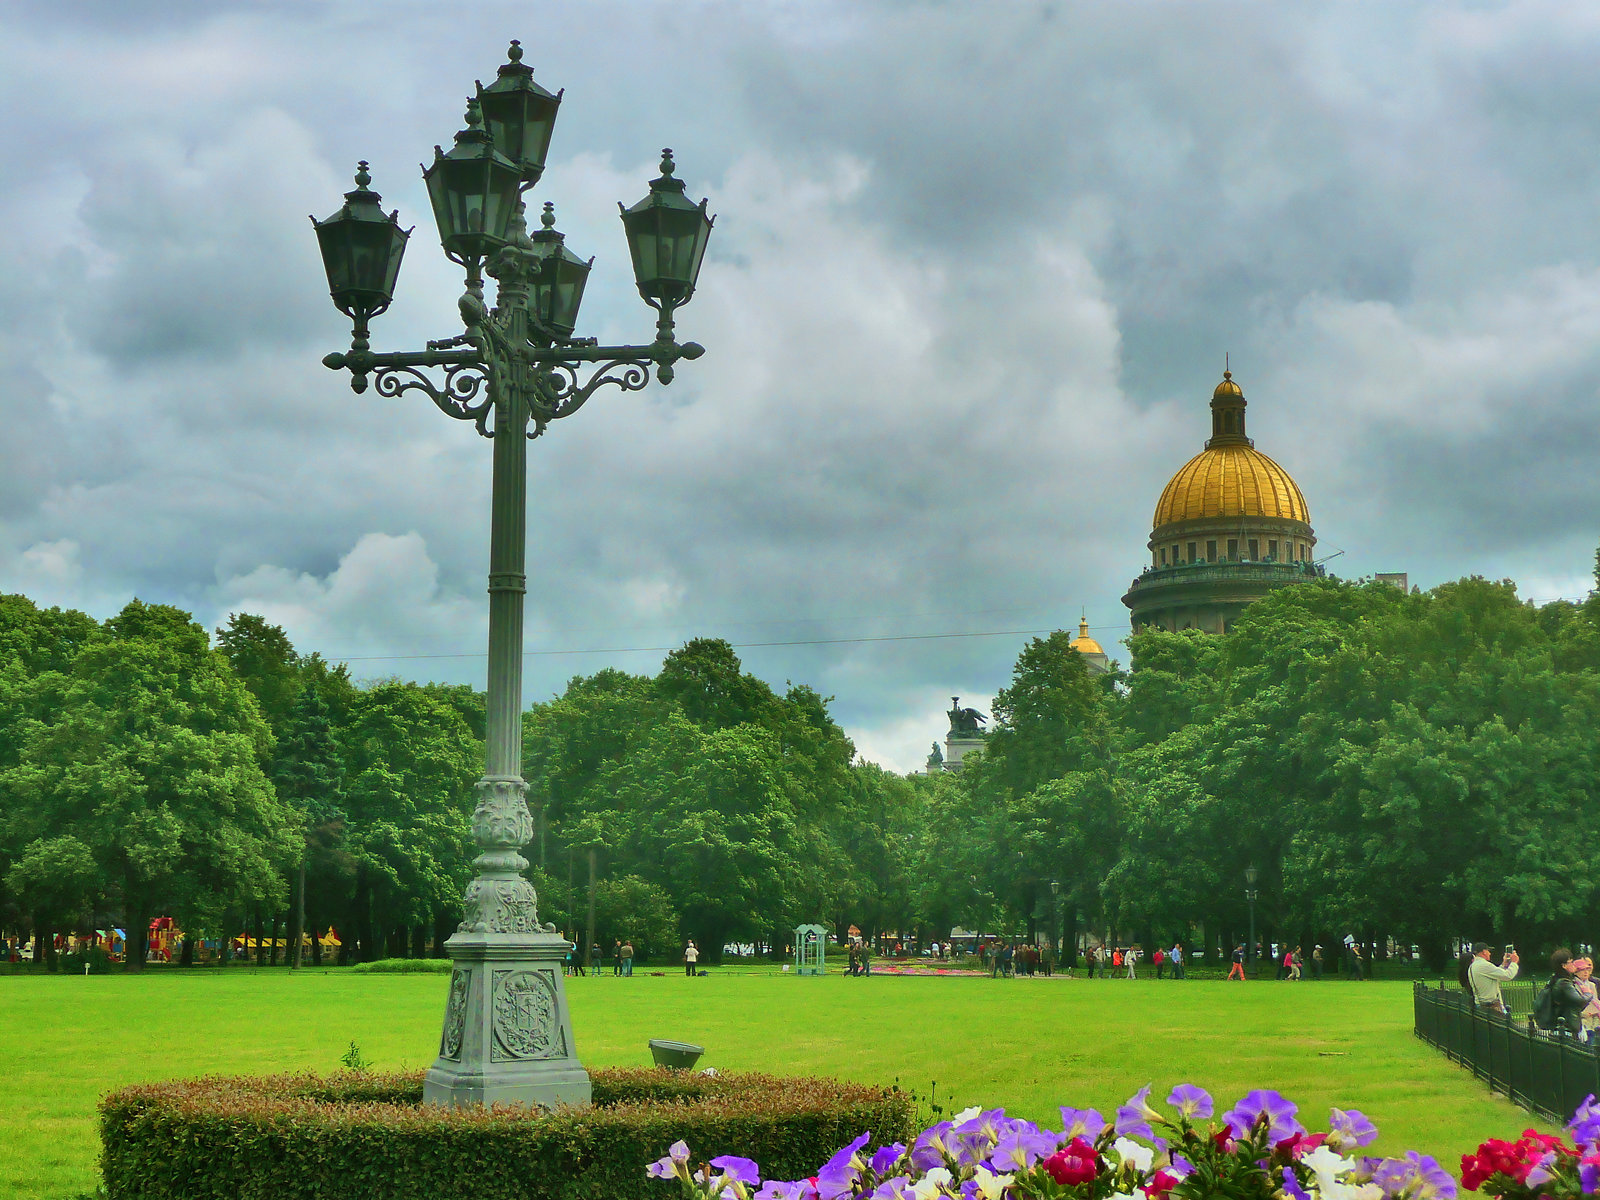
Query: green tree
x=56, y=881
x=265, y=661
x=410, y=765
x=152, y=757
x=308, y=773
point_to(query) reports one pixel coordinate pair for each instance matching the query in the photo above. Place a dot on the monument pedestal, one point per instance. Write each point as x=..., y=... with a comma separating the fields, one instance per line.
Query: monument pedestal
x=507, y=1035
x=957, y=747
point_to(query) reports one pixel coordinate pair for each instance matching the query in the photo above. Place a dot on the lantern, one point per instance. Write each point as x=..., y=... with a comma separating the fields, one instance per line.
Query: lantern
x=361, y=251
x=667, y=234
x=557, y=289
x=474, y=190
x=519, y=115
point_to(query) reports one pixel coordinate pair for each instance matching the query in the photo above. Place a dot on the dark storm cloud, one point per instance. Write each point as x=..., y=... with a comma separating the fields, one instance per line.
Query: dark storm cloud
x=973, y=276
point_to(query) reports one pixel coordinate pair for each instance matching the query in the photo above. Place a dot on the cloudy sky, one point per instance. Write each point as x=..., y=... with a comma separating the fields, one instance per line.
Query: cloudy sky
x=975, y=269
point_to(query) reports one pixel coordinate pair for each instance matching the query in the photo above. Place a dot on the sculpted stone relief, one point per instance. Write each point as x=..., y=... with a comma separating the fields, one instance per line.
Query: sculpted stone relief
x=455, y=1014
x=525, y=1023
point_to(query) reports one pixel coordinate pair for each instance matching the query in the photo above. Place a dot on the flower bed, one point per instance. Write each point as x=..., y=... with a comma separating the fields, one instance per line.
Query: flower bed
x=1256, y=1150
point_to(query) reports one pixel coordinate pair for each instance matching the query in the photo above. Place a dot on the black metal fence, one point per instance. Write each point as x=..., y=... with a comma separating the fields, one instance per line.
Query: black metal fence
x=1546, y=1073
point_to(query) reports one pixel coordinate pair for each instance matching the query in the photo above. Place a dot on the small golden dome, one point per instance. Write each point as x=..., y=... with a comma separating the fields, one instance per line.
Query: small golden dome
x=1083, y=643
x=1231, y=481
x=1227, y=387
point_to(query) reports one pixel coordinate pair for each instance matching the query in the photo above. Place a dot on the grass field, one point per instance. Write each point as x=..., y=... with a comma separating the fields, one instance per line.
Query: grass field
x=1029, y=1044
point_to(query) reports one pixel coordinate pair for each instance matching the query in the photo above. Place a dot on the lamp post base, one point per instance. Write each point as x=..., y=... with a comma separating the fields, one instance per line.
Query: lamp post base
x=507, y=1032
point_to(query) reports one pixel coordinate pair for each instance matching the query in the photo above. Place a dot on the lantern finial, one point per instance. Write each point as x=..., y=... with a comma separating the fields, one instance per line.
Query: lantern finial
x=548, y=220
x=515, y=53
x=362, y=178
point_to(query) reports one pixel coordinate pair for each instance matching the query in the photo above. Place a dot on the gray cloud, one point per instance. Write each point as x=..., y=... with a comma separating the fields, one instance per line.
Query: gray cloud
x=974, y=272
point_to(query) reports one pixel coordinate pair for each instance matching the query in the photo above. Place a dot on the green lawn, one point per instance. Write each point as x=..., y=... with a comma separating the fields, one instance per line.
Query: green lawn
x=1027, y=1044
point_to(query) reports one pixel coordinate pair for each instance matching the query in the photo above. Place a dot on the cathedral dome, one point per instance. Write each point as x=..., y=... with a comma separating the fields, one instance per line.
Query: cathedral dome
x=1235, y=480
x=1083, y=643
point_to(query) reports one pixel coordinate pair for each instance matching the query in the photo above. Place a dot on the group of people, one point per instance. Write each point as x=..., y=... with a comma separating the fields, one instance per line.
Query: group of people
x=858, y=958
x=621, y=959
x=1009, y=960
x=1569, y=1003
x=1124, y=961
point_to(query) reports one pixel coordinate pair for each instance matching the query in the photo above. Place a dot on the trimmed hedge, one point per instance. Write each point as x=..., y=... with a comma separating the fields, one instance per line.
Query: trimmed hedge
x=404, y=966
x=369, y=1136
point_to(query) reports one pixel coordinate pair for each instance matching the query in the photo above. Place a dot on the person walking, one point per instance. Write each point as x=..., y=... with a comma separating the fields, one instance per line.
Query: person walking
x=1160, y=960
x=627, y=959
x=1316, y=964
x=596, y=957
x=1291, y=960
x=1116, y=958
x=616, y=958
x=1175, y=956
x=1130, y=959
x=691, y=956
x=1237, y=970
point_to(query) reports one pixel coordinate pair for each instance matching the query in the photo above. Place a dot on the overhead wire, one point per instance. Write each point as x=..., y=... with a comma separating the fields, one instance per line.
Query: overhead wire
x=896, y=637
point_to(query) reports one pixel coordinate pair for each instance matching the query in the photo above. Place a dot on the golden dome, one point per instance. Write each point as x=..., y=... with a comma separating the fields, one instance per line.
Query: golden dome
x=1083, y=643
x=1231, y=481
x=1227, y=387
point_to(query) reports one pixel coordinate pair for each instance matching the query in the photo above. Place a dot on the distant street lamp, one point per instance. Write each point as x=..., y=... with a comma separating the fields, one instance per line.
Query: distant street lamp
x=1250, y=876
x=1056, y=931
x=507, y=1034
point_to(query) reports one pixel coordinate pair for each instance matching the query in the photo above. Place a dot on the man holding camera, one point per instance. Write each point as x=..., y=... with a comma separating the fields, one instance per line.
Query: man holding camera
x=1485, y=978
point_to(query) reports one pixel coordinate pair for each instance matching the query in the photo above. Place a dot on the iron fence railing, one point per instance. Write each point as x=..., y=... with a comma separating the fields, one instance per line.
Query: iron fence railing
x=1548, y=1074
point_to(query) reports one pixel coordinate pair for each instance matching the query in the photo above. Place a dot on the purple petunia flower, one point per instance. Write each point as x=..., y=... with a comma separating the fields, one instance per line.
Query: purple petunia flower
x=1291, y=1186
x=1180, y=1166
x=1263, y=1105
x=1585, y=1123
x=1589, y=1177
x=891, y=1189
x=1081, y=1122
x=839, y=1174
x=674, y=1164
x=1191, y=1101
x=1134, y=1117
x=885, y=1157
x=933, y=1145
x=774, y=1189
x=738, y=1170
x=1348, y=1128
x=1422, y=1174
x=1018, y=1150
x=1540, y=1172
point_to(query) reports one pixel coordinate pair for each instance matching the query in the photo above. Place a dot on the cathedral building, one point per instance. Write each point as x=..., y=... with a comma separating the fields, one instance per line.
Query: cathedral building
x=1229, y=527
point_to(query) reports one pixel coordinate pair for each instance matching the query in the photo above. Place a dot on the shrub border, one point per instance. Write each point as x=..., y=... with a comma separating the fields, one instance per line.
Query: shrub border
x=368, y=1136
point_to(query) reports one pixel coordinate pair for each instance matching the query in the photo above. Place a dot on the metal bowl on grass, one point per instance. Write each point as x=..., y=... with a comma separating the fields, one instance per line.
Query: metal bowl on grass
x=677, y=1056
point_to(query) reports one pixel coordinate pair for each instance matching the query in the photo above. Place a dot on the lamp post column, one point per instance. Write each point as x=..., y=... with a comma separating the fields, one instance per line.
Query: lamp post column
x=1250, y=876
x=507, y=1031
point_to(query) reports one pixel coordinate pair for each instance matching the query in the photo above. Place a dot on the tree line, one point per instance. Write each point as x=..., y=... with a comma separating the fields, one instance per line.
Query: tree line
x=1403, y=767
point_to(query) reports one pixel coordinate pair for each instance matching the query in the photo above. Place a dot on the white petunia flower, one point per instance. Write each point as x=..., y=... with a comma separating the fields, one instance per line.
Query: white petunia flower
x=1133, y=1153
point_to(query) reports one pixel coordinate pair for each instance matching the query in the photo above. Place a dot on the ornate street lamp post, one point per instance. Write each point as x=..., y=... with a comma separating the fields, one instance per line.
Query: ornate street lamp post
x=1250, y=875
x=515, y=368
